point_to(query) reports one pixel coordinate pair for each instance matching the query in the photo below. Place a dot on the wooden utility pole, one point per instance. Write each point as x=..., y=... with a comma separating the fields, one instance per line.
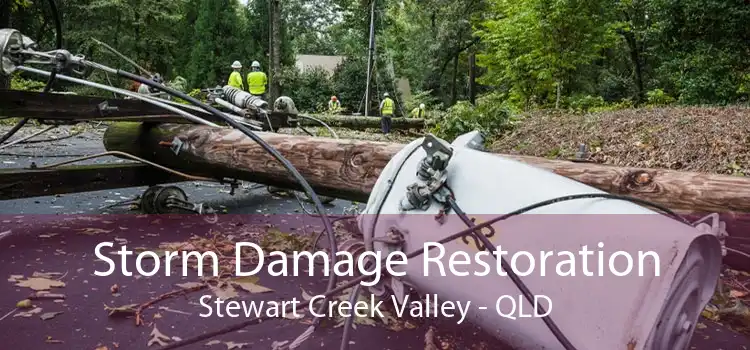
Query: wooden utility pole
x=353, y=166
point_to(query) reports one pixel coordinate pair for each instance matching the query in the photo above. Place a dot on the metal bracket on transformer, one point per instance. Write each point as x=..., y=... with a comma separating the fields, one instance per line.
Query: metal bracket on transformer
x=431, y=176
x=717, y=228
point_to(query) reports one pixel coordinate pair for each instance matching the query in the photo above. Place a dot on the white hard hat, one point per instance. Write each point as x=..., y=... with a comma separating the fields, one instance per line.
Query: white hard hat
x=236, y=64
x=385, y=94
x=421, y=105
x=255, y=64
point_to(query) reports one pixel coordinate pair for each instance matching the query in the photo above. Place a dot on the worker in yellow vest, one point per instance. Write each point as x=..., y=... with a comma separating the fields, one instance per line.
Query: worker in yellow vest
x=418, y=112
x=386, y=113
x=257, y=81
x=235, y=79
x=334, y=105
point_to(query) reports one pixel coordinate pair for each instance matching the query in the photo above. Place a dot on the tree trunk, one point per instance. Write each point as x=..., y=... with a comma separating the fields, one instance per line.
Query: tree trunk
x=362, y=123
x=275, y=59
x=454, y=89
x=348, y=169
x=4, y=23
x=472, y=76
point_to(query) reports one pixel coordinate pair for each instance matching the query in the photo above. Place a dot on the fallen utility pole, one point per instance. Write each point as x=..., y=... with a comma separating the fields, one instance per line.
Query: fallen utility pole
x=362, y=123
x=348, y=169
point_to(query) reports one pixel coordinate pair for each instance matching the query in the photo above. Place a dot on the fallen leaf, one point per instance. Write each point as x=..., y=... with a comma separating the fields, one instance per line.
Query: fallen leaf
x=225, y=292
x=14, y=278
x=232, y=345
x=701, y=326
x=190, y=285
x=46, y=295
x=213, y=342
x=276, y=345
x=158, y=338
x=40, y=283
x=48, y=235
x=248, y=283
x=103, y=347
x=305, y=295
x=49, y=340
x=49, y=315
x=176, y=338
x=51, y=275
x=125, y=309
x=93, y=231
x=737, y=294
x=24, y=304
x=29, y=313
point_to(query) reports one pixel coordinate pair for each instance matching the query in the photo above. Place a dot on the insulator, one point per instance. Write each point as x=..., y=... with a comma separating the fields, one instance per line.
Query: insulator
x=243, y=99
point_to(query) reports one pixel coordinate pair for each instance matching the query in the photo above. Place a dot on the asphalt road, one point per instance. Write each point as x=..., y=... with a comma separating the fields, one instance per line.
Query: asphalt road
x=59, y=234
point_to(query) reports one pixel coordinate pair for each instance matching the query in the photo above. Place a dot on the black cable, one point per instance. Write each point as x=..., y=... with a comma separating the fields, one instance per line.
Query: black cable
x=513, y=276
x=273, y=152
x=416, y=253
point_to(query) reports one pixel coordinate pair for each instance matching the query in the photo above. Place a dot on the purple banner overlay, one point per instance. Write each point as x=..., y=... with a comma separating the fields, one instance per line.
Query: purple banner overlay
x=122, y=281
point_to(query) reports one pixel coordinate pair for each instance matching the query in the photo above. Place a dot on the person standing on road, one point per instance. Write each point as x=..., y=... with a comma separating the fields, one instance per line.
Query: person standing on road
x=257, y=81
x=386, y=114
x=235, y=79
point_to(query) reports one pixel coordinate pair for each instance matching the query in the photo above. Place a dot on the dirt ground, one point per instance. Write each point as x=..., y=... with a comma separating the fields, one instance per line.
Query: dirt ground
x=715, y=140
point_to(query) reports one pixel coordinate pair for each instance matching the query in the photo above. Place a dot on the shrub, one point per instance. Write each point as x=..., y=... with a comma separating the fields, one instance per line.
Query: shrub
x=491, y=115
x=658, y=97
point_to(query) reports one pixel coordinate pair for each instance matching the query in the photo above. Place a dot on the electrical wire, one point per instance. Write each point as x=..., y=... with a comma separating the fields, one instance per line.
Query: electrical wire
x=416, y=253
x=181, y=112
x=53, y=139
x=268, y=148
x=21, y=140
x=130, y=156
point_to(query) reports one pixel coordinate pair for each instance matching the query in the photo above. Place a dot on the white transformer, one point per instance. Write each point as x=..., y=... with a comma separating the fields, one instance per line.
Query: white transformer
x=629, y=312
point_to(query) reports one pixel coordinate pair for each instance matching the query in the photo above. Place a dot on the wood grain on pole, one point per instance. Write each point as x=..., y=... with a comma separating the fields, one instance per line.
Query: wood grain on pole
x=351, y=167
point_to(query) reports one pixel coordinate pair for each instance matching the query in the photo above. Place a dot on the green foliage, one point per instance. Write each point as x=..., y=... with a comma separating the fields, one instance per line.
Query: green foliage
x=658, y=97
x=532, y=46
x=430, y=101
x=583, y=55
x=178, y=83
x=19, y=83
x=490, y=116
x=310, y=89
x=586, y=103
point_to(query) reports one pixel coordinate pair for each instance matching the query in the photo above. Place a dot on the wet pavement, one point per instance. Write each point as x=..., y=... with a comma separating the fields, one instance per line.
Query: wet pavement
x=58, y=234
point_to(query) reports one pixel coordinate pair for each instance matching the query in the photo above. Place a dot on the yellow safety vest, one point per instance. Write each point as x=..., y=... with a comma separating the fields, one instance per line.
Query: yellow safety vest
x=235, y=80
x=417, y=113
x=256, y=82
x=387, y=108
